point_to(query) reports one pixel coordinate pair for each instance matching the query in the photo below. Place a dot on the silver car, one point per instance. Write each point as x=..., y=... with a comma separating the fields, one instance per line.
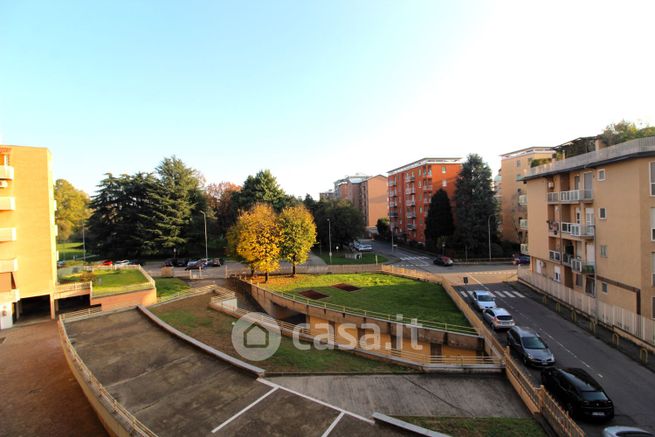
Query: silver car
x=625, y=431
x=498, y=318
x=483, y=300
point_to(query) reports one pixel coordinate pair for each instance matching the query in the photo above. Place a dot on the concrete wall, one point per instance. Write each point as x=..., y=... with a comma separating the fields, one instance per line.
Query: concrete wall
x=124, y=300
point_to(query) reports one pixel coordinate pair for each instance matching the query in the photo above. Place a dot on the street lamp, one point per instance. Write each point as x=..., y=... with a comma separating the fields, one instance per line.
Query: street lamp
x=83, y=244
x=391, y=237
x=206, y=249
x=489, y=233
x=330, y=239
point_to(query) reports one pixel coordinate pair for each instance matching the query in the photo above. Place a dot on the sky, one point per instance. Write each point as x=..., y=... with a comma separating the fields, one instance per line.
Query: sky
x=314, y=90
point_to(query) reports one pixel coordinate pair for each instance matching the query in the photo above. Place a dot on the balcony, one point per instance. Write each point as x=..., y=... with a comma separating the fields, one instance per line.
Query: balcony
x=554, y=228
x=578, y=230
x=524, y=249
x=393, y=214
x=8, y=265
x=427, y=187
x=411, y=215
x=523, y=224
x=573, y=196
x=411, y=178
x=566, y=259
x=7, y=234
x=6, y=172
x=523, y=200
x=392, y=183
x=411, y=227
x=554, y=255
x=7, y=203
x=586, y=267
x=410, y=203
x=410, y=191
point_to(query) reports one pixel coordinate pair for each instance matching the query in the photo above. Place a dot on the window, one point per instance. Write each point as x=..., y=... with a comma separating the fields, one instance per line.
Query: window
x=420, y=209
x=557, y=274
x=443, y=169
x=603, y=251
x=652, y=224
x=419, y=184
x=652, y=267
x=652, y=178
x=602, y=213
x=444, y=183
x=518, y=162
x=601, y=174
x=603, y=287
x=653, y=313
x=578, y=280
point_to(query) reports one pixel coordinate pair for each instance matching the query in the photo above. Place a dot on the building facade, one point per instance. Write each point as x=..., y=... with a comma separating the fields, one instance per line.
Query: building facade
x=28, y=251
x=591, y=224
x=349, y=187
x=373, y=201
x=512, y=196
x=410, y=190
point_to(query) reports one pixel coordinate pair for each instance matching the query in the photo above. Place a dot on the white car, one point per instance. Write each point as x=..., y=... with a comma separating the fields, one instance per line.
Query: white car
x=362, y=247
x=498, y=318
x=123, y=262
x=483, y=300
x=625, y=431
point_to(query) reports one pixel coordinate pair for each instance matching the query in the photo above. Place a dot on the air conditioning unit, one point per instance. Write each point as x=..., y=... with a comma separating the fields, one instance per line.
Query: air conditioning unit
x=4, y=184
x=551, y=185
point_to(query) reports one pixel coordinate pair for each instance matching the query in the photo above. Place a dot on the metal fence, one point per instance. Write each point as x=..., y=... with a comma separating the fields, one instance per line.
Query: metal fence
x=611, y=315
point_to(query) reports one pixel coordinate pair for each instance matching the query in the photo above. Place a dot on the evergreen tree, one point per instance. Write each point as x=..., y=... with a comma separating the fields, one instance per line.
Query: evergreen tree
x=384, y=228
x=475, y=206
x=262, y=188
x=346, y=222
x=439, y=222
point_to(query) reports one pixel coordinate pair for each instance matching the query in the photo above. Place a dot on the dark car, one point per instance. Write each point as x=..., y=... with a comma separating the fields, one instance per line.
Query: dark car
x=578, y=393
x=442, y=260
x=529, y=346
x=196, y=265
x=521, y=260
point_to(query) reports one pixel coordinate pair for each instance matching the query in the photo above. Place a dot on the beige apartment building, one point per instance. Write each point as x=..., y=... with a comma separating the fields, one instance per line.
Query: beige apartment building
x=373, y=201
x=28, y=251
x=349, y=187
x=512, y=197
x=591, y=224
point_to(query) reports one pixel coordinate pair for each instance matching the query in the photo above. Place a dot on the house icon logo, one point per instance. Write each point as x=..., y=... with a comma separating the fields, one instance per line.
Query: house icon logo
x=256, y=336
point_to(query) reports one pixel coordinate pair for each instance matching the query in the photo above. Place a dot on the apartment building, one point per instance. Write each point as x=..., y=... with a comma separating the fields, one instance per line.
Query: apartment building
x=591, y=224
x=512, y=196
x=28, y=253
x=349, y=187
x=410, y=190
x=373, y=201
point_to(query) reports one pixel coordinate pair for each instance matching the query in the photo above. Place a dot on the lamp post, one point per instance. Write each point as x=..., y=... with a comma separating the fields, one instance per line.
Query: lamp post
x=330, y=240
x=83, y=244
x=206, y=249
x=391, y=228
x=489, y=233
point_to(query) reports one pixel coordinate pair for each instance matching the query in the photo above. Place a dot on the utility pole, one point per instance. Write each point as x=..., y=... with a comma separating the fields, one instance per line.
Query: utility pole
x=330, y=239
x=206, y=249
x=83, y=244
x=489, y=232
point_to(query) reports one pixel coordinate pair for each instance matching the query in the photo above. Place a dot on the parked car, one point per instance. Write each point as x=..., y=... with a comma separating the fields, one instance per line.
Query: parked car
x=122, y=262
x=362, y=247
x=442, y=260
x=626, y=431
x=578, y=393
x=168, y=263
x=180, y=262
x=483, y=300
x=137, y=262
x=498, y=318
x=521, y=260
x=60, y=264
x=529, y=346
x=196, y=265
x=215, y=262
x=106, y=262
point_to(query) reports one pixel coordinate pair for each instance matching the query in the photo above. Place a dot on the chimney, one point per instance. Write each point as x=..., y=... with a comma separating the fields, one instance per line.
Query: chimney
x=599, y=143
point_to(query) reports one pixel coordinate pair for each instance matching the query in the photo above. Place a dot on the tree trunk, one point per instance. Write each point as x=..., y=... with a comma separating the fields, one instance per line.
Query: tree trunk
x=293, y=271
x=266, y=280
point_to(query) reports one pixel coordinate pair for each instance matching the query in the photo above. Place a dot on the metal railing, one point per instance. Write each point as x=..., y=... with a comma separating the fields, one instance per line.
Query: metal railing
x=187, y=293
x=523, y=199
x=524, y=249
x=582, y=231
x=523, y=223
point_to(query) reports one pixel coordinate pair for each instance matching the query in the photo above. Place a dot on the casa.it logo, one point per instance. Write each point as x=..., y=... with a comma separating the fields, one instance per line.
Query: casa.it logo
x=256, y=336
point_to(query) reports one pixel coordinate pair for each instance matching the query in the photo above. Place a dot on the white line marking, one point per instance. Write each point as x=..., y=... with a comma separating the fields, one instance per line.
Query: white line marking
x=518, y=294
x=502, y=294
x=228, y=421
x=463, y=293
x=333, y=424
x=318, y=401
x=600, y=375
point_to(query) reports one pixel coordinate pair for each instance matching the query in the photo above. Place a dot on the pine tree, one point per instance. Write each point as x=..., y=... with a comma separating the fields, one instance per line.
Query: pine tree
x=261, y=188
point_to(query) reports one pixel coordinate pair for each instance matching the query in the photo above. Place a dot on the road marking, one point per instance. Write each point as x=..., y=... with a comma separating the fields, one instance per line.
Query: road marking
x=333, y=424
x=503, y=294
x=228, y=421
x=600, y=375
x=463, y=293
x=518, y=294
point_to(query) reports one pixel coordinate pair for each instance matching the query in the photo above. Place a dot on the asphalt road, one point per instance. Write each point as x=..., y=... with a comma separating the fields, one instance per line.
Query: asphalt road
x=630, y=385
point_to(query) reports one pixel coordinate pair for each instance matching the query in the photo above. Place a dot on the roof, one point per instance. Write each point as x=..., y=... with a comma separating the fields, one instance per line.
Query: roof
x=527, y=151
x=425, y=161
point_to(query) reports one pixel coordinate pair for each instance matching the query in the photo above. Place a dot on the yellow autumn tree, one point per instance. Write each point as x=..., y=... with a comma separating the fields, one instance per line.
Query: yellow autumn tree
x=256, y=239
x=298, y=234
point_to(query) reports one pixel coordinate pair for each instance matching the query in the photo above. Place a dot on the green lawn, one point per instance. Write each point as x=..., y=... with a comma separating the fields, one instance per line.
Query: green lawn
x=107, y=282
x=339, y=258
x=193, y=317
x=380, y=293
x=69, y=250
x=168, y=286
x=480, y=427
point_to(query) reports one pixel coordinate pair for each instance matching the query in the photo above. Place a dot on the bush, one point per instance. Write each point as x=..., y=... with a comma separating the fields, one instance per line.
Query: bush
x=87, y=276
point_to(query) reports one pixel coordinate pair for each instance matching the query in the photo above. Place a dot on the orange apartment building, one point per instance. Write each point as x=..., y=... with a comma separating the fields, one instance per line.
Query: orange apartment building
x=28, y=251
x=511, y=191
x=591, y=229
x=410, y=190
x=348, y=188
x=373, y=201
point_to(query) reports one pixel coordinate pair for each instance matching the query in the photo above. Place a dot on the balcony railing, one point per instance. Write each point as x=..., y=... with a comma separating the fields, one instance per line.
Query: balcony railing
x=393, y=214
x=555, y=255
x=583, y=231
x=410, y=191
x=523, y=224
x=392, y=183
x=7, y=234
x=8, y=265
x=573, y=196
x=587, y=267
x=411, y=215
x=7, y=203
x=410, y=178
x=524, y=249
x=6, y=172
x=523, y=199
x=427, y=187
x=411, y=227
x=566, y=259
x=410, y=203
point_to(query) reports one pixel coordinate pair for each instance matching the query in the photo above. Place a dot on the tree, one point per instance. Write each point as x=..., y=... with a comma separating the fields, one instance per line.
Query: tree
x=439, y=222
x=256, y=239
x=346, y=222
x=475, y=205
x=622, y=131
x=384, y=229
x=261, y=188
x=298, y=234
x=72, y=209
x=221, y=198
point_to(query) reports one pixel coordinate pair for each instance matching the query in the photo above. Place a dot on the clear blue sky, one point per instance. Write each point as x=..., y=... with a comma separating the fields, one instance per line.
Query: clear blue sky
x=312, y=90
